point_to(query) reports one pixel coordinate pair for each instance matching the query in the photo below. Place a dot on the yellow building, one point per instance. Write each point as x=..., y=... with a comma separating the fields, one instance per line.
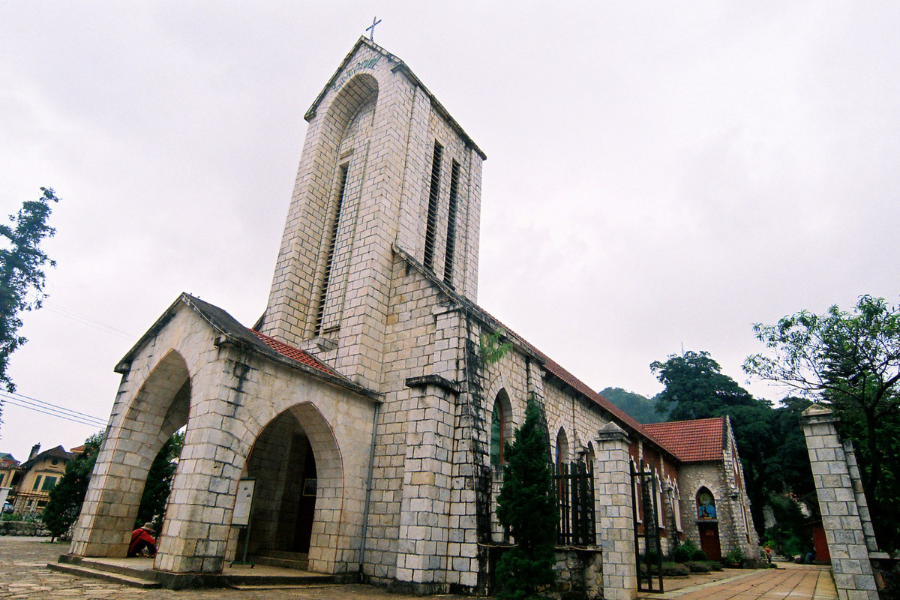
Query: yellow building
x=36, y=477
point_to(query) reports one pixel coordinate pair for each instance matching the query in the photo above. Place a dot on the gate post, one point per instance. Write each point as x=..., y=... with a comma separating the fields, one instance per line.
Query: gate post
x=614, y=513
x=838, y=502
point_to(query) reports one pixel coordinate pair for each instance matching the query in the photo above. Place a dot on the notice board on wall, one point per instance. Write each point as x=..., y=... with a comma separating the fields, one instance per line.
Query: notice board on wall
x=243, y=502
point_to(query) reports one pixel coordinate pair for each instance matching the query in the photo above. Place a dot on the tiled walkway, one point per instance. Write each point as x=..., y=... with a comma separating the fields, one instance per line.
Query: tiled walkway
x=792, y=582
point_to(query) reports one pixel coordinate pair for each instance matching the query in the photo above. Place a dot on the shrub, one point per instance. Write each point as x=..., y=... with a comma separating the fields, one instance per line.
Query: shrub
x=699, y=567
x=670, y=569
x=685, y=552
x=715, y=566
x=698, y=555
x=735, y=557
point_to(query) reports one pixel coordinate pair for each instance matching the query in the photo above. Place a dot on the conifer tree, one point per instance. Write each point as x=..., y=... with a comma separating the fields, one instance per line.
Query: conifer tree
x=527, y=507
x=21, y=273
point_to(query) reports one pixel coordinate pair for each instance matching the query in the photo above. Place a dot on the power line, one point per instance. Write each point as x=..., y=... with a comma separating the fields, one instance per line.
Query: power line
x=57, y=415
x=54, y=411
x=48, y=405
x=86, y=320
x=83, y=319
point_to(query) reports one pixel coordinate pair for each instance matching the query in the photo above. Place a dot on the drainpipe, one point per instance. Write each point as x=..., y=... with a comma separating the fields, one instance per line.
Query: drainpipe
x=365, y=525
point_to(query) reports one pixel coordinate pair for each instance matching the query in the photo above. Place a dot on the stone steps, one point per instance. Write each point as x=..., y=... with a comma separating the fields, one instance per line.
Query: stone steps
x=142, y=575
x=105, y=575
x=286, y=560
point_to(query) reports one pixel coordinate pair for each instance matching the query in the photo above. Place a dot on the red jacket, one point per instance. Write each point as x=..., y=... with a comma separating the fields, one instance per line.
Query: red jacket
x=137, y=536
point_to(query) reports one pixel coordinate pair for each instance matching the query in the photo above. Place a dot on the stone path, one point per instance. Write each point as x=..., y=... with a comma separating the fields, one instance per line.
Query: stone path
x=796, y=582
x=24, y=574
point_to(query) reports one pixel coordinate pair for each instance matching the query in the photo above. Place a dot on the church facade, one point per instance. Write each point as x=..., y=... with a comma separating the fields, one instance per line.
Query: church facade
x=360, y=407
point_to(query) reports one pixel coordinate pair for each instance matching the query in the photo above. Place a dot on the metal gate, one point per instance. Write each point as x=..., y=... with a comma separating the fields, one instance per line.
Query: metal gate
x=648, y=565
x=574, y=485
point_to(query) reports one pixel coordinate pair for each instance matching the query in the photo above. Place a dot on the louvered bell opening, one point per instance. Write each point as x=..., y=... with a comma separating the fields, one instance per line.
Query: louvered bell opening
x=451, y=224
x=329, y=257
x=431, y=224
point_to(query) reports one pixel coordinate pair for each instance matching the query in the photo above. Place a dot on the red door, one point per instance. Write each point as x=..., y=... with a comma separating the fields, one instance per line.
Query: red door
x=709, y=540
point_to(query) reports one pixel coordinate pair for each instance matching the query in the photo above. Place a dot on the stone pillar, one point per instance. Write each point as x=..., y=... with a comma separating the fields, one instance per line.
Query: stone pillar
x=844, y=531
x=614, y=513
x=424, y=506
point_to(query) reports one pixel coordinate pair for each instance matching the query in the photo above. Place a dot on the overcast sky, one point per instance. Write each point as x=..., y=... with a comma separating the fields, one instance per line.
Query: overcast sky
x=659, y=175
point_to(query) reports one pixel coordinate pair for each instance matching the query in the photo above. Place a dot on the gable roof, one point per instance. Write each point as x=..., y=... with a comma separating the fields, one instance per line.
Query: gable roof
x=403, y=68
x=229, y=331
x=58, y=452
x=692, y=441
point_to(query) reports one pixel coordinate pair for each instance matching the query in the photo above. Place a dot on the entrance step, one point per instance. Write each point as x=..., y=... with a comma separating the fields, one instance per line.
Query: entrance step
x=106, y=575
x=286, y=560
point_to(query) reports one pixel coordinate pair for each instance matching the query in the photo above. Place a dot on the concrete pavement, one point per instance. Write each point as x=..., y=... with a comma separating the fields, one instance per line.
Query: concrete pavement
x=797, y=582
x=24, y=574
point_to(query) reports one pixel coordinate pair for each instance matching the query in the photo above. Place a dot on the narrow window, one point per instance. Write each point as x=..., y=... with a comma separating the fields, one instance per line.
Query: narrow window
x=451, y=224
x=498, y=425
x=677, y=501
x=431, y=224
x=37, y=483
x=329, y=256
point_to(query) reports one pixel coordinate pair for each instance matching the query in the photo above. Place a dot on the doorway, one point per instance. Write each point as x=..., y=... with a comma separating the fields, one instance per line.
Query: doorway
x=709, y=540
x=306, y=508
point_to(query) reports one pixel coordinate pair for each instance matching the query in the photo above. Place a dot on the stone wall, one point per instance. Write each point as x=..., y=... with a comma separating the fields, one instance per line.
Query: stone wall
x=842, y=504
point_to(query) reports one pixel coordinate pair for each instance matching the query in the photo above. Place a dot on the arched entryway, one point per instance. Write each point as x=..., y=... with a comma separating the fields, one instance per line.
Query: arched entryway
x=708, y=524
x=159, y=408
x=296, y=467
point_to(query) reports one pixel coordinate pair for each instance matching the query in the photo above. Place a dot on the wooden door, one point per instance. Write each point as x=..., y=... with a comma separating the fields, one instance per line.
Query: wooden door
x=709, y=540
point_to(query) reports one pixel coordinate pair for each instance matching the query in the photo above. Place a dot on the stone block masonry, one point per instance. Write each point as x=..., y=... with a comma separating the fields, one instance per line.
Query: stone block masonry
x=840, y=506
x=614, y=513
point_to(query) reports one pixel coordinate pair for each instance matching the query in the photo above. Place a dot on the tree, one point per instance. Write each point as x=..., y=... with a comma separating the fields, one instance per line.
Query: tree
x=67, y=496
x=696, y=387
x=769, y=441
x=849, y=361
x=22, y=272
x=640, y=408
x=159, y=482
x=526, y=506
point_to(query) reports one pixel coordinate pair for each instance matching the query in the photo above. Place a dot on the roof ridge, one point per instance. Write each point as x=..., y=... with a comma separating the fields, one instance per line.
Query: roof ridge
x=566, y=376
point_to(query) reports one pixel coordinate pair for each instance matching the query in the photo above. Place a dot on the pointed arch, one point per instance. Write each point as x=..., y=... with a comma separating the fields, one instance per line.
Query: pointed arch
x=562, y=447
x=160, y=407
x=501, y=426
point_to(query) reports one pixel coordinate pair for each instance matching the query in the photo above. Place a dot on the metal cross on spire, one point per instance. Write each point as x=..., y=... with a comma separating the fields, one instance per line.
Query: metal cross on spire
x=371, y=30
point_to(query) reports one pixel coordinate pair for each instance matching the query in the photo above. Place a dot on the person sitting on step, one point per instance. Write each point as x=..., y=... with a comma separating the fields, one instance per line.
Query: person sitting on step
x=142, y=539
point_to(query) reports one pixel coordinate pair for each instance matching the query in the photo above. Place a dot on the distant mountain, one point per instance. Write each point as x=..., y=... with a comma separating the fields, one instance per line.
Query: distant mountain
x=639, y=408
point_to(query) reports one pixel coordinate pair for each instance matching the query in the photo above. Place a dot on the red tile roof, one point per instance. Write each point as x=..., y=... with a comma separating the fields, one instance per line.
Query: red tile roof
x=294, y=353
x=691, y=441
x=557, y=370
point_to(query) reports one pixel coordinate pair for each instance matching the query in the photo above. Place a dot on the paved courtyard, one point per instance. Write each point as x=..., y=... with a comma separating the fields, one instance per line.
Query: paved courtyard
x=24, y=574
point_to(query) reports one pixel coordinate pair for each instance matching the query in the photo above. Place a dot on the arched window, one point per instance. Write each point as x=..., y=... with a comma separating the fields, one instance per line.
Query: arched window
x=706, y=505
x=498, y=420
x=589, y=455
x=500, y=427
x=562, y=447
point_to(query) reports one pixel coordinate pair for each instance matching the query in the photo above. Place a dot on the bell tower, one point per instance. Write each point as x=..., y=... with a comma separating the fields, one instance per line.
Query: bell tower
x=385, y=168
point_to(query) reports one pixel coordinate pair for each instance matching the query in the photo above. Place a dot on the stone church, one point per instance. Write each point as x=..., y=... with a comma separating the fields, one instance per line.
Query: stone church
x=359, y=406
